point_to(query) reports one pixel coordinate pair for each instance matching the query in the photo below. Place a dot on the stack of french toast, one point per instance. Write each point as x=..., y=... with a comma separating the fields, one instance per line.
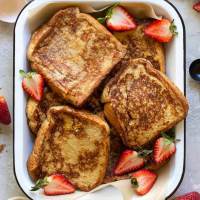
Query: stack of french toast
x=106, y=99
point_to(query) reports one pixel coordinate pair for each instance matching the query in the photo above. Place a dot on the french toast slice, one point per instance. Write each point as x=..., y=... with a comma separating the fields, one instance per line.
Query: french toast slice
x=74, y=53
x=74, y=143
x=36, y=110
x=141, y=46
x=140, y=102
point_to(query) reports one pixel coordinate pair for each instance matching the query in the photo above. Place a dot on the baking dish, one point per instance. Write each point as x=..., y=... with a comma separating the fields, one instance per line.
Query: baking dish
x=31, y=17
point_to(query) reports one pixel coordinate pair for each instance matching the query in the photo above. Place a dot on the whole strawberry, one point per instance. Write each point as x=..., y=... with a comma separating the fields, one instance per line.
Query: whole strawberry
x=4, y=112
x=196, y=6
x=189, y=196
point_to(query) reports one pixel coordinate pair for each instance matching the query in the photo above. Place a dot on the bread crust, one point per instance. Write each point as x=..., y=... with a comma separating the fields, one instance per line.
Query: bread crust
x=141, y=46
x=113, y=118
x=70, y=94
x=33, y=163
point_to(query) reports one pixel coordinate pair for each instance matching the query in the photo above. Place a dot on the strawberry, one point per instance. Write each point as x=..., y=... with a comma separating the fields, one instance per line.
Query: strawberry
x=196, y=6
x=189, y=196
x=129, y=161
x=118, y=19
x=4, y=111
x=143, y=180
x=33, y=84
x=56, y=184
x=164, y=148
x=161, y=30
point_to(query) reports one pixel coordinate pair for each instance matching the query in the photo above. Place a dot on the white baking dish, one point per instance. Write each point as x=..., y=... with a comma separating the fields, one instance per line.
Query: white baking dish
x=30, y=18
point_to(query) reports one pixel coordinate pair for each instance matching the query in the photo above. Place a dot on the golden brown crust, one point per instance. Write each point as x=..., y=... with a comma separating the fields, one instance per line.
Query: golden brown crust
x=82, y=79
x=162, y=104
x=90, y=160
x=141, y=46
x=34, y=158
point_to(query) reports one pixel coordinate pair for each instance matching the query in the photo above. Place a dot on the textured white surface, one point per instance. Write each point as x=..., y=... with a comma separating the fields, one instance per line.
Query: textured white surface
x=190, y=182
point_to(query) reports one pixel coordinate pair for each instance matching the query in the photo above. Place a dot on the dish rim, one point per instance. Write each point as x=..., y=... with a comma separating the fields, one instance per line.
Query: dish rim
x=184, y=90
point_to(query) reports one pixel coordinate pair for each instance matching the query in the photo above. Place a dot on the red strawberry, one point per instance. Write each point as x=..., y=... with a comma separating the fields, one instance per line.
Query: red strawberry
x=56, y=184
x=143, y=180
x=129, y=161
x=4, y=111
x=33, y=84
x=164, y=148
x=196, y=6
x=161, y=30
x=189, y=196
x=120, y=20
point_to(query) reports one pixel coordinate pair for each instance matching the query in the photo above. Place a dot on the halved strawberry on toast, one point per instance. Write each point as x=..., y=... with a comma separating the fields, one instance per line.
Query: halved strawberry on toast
x=161, y=30
x=130, y=161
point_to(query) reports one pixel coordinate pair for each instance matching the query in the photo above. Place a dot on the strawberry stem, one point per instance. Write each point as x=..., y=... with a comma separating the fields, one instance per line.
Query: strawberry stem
x=26, y=75
x=22, y=73
x=108, y=15
x=134, y=182
x=40, y=184
x=173, y=28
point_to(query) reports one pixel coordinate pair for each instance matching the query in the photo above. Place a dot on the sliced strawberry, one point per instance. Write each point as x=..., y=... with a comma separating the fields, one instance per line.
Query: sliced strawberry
x=4, y=112
x=129, y=161
x=189, y=196
x=164, y=148
x=56, y=184
x=143, y=180
x=33, y=84
x=196, y=6
x=161, y=30
x=120, y=20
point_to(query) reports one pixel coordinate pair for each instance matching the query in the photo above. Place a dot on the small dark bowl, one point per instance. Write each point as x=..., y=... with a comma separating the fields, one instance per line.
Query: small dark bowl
x=194, y=70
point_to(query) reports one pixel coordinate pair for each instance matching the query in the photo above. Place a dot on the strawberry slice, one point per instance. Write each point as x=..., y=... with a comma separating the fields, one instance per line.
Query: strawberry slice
x=56, y=184
x=143, y=180
x=129, y=161
x=120, y=20
x=164, y=148
x=161, y=30
x=4, y=112
x=33, y=84
x=189, y=196
x=196, y=6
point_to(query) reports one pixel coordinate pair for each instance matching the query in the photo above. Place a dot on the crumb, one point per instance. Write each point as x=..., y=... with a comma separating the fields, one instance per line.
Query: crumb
x=2, y=146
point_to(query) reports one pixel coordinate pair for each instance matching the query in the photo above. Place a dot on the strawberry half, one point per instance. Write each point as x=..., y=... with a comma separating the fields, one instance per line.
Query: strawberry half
x=129, y=161
x=189, y=196
x=33, y=84
x=164, y=148
x=143, y=180
x=161, y=30
x=196, y=6
x=120, y=20
x=56, y=184
x=4, y=112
